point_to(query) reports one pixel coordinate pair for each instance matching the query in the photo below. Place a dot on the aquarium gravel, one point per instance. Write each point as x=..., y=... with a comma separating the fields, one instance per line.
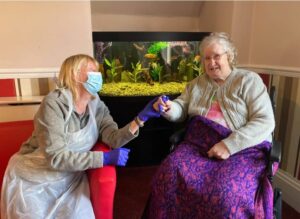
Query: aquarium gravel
x=141, y=89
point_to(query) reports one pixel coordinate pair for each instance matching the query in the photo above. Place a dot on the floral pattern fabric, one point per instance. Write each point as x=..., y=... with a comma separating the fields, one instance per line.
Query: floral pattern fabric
x=188, y=184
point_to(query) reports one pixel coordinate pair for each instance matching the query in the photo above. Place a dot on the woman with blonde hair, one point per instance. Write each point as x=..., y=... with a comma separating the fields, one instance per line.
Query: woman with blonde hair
x=46, y=177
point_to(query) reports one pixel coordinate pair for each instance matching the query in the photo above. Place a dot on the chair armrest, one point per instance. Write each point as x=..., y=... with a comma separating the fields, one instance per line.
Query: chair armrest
x=102, y=184
x=275, y=154
x=176, y=138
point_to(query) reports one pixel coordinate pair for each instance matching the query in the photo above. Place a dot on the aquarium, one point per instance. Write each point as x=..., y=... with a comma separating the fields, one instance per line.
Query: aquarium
x=139, y=66
x=147, y=63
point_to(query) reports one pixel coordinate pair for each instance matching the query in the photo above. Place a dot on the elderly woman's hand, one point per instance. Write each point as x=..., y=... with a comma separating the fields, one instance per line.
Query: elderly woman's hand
x=219, y=151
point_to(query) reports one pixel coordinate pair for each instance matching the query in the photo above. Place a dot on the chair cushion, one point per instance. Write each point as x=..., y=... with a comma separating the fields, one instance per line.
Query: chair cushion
x=102, y=183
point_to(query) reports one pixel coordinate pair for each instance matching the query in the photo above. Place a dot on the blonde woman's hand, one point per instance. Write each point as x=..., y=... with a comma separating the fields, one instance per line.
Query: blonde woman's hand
x=219, y=151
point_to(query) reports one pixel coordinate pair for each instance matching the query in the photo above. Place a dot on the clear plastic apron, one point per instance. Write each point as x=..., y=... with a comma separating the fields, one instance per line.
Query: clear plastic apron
x=32, y=190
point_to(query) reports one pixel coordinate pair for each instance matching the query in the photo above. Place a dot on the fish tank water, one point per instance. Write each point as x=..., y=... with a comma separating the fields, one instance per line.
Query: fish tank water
x=139, y=66
x=147, y=63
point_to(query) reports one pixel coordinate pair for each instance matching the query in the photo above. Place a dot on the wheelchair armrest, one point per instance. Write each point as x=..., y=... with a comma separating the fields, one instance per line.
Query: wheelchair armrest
x=275, y=154
x=176, y=138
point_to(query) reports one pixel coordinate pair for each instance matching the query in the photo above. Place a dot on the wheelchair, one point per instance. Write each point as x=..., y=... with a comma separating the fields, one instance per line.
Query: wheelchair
x=273, y=157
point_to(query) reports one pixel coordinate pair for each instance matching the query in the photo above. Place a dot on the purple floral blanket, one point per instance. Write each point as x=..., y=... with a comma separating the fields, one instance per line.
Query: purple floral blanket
x=188, y=184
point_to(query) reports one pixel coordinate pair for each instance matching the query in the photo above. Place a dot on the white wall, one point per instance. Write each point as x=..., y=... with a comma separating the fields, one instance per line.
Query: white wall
x=276, y=34
x=216, y=16
x=42, y=34
x=145, y=16
x=241, y=29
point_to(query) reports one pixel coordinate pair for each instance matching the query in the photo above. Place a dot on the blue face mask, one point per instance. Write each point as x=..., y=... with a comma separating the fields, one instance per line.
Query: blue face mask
x=94, y=83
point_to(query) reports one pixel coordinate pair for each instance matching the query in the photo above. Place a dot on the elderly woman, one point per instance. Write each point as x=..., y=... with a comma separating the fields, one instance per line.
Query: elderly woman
x=217, y=171
x=46, y=178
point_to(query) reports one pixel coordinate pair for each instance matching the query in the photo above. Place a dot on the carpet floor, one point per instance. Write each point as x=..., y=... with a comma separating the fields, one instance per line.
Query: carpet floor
x=132, y=191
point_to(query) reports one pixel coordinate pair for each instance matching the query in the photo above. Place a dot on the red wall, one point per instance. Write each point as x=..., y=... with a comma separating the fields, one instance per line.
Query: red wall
x=7, y=88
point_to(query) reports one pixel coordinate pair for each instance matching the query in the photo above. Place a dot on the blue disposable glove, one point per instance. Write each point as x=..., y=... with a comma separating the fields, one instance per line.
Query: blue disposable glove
x=149, y=112
x=116, y=157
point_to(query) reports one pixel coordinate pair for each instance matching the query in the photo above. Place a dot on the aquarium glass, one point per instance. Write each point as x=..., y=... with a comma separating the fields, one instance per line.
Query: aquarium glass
x=148, y=58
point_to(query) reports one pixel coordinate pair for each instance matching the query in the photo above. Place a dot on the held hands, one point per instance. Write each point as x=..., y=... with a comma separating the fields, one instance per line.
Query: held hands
x=219, y=151
x=162, y=104
x=150, y=112
x=116, y=157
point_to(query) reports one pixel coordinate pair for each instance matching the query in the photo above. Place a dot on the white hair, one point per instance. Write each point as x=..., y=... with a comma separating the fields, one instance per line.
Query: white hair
x=223, y=40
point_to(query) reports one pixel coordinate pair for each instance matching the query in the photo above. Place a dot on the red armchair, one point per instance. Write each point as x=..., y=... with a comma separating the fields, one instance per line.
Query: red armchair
x=102, y=180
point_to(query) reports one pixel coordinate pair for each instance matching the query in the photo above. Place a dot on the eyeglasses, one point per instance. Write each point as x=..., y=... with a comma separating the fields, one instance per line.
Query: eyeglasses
x=215, y=57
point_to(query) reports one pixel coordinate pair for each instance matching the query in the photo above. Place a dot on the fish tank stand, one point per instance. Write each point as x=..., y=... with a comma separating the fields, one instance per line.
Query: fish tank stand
x=139, y=66
x=152, y=145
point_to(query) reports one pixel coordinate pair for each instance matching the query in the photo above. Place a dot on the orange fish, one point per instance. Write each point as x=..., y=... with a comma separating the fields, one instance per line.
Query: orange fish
x=150, y=56
x=197, y=58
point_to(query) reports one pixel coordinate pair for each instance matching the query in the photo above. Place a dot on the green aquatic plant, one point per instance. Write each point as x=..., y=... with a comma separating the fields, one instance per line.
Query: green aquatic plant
x=197, y=66
x=156, y=47
x=137, y=69
x=199, y=69
x=181, y=68
x=155, y=71
x=189, y=68
x=112, y=72
x=185, y=70
x=125, y=76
